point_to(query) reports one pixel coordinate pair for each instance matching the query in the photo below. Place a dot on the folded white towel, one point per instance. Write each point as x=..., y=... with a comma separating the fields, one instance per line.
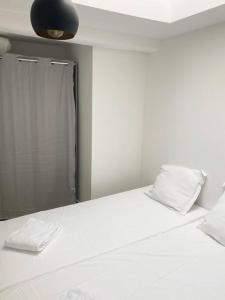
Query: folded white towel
x=77, y=295
x=34, y=236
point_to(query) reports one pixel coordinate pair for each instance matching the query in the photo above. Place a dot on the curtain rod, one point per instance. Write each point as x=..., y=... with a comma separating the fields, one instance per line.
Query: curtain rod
x=53, y=62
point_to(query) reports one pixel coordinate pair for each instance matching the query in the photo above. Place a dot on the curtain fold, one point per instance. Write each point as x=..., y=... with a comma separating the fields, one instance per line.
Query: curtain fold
x=37, y=136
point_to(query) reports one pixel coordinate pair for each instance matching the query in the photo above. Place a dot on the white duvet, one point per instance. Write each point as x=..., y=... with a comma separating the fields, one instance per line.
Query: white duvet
x=181, y=264
x=89, y=230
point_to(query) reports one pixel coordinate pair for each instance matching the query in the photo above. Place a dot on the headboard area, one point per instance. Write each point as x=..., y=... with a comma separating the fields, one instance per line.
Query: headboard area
x=184, y=115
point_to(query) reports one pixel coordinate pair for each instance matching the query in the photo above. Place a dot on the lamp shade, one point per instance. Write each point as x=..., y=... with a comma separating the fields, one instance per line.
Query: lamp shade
x=54, y=19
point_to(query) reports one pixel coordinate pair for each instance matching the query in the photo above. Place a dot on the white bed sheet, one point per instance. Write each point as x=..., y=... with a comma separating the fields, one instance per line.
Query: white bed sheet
x=89, y=229
x=181, y=264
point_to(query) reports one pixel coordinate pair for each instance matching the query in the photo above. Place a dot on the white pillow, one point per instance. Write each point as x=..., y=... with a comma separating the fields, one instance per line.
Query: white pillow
x=214, y=222
x=177, y=187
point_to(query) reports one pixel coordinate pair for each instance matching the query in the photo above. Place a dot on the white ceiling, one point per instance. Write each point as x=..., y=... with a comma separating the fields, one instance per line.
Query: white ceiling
x=157, y=10
x=186, y=8
x=126, y=24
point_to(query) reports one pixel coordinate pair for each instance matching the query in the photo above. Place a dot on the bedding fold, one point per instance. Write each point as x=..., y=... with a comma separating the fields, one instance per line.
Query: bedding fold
x=77, y=295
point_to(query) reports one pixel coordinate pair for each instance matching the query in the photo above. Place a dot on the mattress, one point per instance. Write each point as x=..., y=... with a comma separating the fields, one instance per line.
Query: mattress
x=90, y=229
x=180, y=264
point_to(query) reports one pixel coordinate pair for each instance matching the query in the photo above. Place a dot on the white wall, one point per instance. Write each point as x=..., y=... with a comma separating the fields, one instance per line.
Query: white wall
x=185, y=112
x=139, y=111
x=119, y=86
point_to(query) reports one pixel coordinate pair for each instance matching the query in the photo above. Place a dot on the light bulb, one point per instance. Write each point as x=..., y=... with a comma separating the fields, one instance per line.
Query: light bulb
x=55, y=34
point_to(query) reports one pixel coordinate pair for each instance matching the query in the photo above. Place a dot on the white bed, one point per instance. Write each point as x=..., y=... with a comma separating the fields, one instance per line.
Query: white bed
x=90, y=231
x=180, y=264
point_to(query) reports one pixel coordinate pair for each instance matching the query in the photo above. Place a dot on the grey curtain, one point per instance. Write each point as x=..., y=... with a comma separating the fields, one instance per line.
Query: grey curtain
x=37, y=136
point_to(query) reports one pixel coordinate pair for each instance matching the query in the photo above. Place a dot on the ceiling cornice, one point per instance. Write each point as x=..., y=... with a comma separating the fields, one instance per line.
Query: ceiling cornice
x=18, y=24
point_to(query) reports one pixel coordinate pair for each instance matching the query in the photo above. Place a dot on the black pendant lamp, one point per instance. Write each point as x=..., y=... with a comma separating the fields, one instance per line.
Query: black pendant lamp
x=54, y=19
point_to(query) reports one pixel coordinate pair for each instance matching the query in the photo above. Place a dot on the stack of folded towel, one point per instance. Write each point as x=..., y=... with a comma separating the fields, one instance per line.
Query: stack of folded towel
x=77, y=295
x=33, y=236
